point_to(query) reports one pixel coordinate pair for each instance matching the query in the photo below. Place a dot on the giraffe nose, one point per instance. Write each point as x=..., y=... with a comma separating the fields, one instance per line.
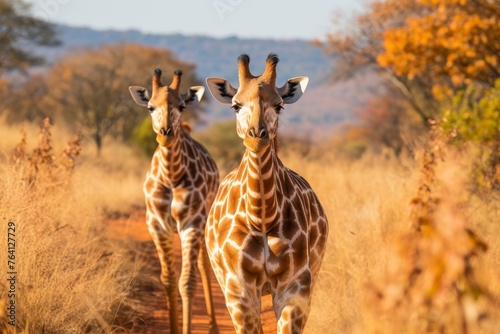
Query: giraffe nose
x=168, y=132
x=257, y=133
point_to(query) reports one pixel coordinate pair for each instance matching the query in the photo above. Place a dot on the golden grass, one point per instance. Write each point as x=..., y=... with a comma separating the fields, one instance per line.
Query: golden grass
x=368, y=205
x=365, y=207
x=70, y=277
x=73, y=279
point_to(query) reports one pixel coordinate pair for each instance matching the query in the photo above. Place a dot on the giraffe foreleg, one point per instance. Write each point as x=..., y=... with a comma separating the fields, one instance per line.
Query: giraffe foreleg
x=205, y=269
x=162, y=231
x=243, y=304
x=191, y=239
x=292, y=304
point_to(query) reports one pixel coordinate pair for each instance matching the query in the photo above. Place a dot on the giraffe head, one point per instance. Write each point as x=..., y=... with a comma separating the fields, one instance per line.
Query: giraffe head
x=166, y=104
x=257, y=102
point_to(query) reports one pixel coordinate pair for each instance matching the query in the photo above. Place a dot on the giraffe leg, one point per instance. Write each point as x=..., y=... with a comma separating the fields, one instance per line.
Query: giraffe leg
x=205, y=269
x=163, y=240
x=191, y=239
x=292, y=305
x=244, y=307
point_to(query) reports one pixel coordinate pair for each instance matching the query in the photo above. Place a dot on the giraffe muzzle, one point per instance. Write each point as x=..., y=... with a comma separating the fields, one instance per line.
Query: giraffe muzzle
x=165, y=137
x=256, y=139
x=169, y=132
x=257, y=133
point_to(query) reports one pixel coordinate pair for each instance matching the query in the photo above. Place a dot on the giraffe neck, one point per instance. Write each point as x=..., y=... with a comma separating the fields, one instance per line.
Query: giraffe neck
x=171, y=159
x=260, y=191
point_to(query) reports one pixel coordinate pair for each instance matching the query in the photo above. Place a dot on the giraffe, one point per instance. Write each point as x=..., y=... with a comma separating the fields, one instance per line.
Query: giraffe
x=266, y=231
x=179, y=189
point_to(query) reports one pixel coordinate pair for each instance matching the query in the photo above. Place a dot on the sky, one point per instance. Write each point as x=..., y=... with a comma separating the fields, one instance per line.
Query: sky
x=303, y=19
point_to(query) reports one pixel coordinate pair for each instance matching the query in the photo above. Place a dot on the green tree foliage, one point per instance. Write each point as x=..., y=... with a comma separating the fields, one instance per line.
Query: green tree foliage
x=17, y=29
x=144, y=137
x=223, y=143
x=474, y=116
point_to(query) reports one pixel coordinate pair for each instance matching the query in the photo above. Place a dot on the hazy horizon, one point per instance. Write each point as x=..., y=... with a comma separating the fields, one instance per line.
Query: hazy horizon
x=216, y=18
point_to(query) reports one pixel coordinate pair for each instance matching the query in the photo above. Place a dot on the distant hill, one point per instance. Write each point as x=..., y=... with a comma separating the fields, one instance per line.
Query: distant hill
x=321, y=110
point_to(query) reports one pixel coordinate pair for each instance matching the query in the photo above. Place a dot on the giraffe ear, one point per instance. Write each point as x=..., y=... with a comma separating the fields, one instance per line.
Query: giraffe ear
x=293, y=89
x=140, y=95
x=193, y=95
x=221, y=90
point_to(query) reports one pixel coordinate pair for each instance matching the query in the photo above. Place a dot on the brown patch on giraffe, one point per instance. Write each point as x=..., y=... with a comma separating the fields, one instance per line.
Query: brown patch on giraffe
x=198, y=181
x=300, y=253
x=254, y=254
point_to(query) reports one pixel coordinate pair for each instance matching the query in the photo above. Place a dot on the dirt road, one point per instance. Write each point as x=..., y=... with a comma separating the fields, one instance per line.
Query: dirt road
x=150, y=294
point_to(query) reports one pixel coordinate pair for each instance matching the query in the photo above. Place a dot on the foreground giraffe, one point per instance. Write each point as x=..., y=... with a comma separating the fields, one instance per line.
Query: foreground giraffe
x=179, y=189
x=266, y=231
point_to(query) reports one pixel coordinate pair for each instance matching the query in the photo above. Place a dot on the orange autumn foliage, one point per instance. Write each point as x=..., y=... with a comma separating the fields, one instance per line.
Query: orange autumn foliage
x=452, y=42
x=426, y=49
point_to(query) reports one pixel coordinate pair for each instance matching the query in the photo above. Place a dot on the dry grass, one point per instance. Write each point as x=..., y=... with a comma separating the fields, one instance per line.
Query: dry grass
x=365, y=202
x=368, y=205
x=74, y=279
x=70, y=277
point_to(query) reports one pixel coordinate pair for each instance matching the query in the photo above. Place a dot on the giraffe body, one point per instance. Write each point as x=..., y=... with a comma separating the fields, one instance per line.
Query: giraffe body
x=266, y=231
x=179, y=189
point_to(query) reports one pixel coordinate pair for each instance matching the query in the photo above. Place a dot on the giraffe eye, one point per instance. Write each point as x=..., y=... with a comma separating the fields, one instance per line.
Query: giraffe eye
x=236, y=107
x=151, y=108
x=278, y=108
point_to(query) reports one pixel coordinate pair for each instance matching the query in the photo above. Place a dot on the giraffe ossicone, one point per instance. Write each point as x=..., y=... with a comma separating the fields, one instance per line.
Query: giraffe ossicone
x=266, y=231
x=179, y=189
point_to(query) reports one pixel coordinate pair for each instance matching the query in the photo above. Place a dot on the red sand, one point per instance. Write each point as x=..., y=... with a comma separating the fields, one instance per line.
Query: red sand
x=153, y=317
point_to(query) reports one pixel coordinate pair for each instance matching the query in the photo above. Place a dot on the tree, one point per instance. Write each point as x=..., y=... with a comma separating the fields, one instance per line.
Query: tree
x=424, y=48
x=386, y=123
x=355, y=51
x=473, y=115
x=25, y=99
x=90, y=87
x=18, y=27
x=453, y=43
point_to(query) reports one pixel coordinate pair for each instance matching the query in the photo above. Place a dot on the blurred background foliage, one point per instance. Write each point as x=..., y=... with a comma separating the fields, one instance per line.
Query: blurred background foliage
x=432, y=59
x=437, y=59
x=18, y=28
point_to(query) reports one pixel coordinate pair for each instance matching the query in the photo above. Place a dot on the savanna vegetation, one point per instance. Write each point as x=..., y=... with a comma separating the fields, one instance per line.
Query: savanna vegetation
x=411, y=191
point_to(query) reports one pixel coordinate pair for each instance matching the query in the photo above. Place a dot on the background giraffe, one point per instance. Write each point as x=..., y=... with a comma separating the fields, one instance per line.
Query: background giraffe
x=266, y=231
x=180, y=187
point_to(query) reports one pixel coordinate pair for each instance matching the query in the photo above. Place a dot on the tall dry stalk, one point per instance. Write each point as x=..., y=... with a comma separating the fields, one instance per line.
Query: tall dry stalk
x=431, y=285
x=42, y=162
